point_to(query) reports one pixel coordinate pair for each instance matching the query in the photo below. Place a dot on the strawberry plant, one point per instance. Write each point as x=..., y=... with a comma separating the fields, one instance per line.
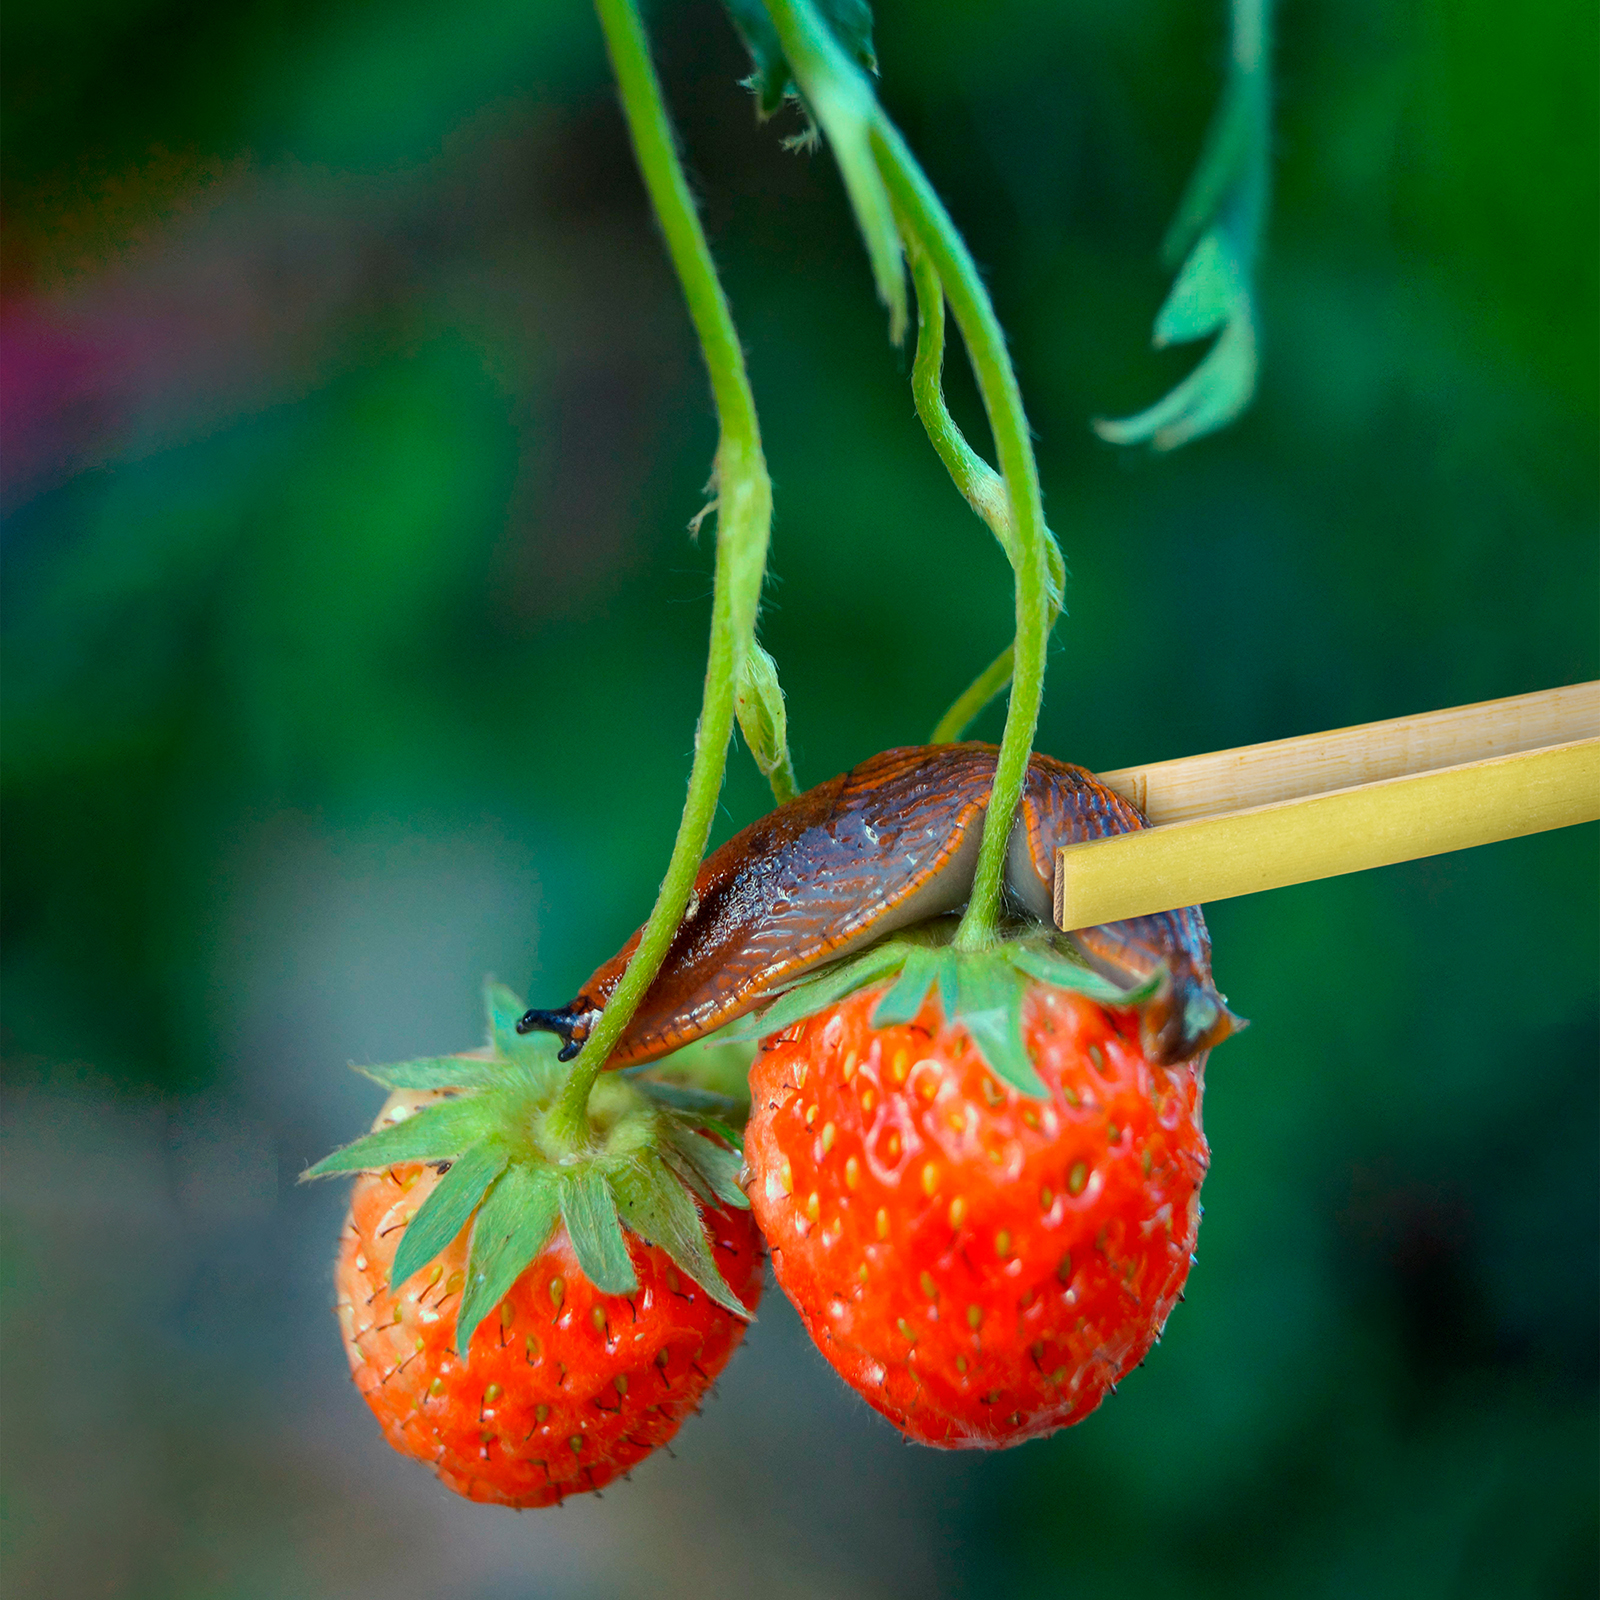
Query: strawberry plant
x=980, y=1185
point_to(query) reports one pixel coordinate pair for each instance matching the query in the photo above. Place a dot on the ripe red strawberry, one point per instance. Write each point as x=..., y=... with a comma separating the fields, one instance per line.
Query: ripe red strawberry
x=565, y=1387
x=981, y=1265
x=532, y=1305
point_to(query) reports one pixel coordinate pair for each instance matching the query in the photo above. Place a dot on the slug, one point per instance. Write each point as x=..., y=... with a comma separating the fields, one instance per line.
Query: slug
x=890, y=843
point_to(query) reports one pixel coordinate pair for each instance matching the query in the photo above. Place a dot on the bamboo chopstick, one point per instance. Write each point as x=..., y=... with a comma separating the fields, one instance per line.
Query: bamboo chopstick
x=1263, y=816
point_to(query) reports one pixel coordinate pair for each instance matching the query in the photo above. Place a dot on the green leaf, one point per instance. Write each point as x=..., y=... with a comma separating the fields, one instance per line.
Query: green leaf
x=689, y=1175
x=432, y=1072
x=1207, y=289
x=657, y=1207
x=1223, y=158
x=436, y=1133
x=949, y=977
x=850, y=20
x=534, y=1051
x=816, y=994
x=444, y=1213
x=989, y=1007
x=904, y=1000
x=590, y=1214
x=1217, y=235
x=840, y=100
x=718, y=1167
x=514, y=1224
x=1049, y=966
x=723, y=1130
x=504, y=1009
x=684, y=1097
x=1143, y=990
x=1209, y=398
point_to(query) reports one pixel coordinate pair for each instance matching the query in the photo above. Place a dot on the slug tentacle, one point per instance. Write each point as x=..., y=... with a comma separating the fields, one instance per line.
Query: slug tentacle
x=890, y=843
x=571, y=1024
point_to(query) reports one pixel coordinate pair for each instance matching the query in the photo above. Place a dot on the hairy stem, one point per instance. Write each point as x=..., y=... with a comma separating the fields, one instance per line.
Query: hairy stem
x=966, y=706
x=937, y=235
x=883, y=179
x=744, y=518
x=980, y=485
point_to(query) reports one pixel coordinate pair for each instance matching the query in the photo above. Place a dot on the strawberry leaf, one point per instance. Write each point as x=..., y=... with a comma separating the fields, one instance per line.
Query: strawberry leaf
x=503, y=1008
x=1208, y=399
x=719, y=1168
x=445, y=1212
x=688, y=1174
x=850, y=20
x=513, y=1226
x=1062, y=972
x=535, y=1051
x=658, y=1208
x=436, y=1133
x=824, y=46
x=949, y=976
x=1204, y=294
x=816, y=994
x=684, y=1097
x=590, y=1214
x=431, y=1072
x=716, y=1125
x=904, y=999
x=989, y=1007
x=1217, y=235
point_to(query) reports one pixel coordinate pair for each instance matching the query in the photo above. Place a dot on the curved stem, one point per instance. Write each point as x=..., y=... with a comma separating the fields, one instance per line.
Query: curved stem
x=990, y=682
x=997, y=384
x=845, y=107
x=980, y=485
x=744, y=517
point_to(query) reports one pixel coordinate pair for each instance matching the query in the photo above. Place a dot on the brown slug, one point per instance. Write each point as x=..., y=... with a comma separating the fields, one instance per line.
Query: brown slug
x=890, y=843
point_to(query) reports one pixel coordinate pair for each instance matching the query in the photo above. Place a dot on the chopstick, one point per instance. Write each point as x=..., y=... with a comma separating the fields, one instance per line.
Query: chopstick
x=1263, y=816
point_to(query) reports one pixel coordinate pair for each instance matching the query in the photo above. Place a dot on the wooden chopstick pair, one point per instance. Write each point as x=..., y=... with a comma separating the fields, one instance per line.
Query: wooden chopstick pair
x=1266, y=815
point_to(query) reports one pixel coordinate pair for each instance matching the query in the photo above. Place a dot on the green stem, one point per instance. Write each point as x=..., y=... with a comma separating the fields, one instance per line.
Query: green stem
x=883, y=178
x=966, y=706
x=914, y=198
x=980, y=485
x=744, y=518
x=1029, y=538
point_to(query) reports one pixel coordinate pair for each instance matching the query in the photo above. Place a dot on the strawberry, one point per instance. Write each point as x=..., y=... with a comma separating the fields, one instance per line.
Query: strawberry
x=980, y=1262
x=532, y=1321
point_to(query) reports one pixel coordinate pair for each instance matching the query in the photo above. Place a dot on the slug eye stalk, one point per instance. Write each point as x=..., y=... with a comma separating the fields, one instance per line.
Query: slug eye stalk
x=571, y=1025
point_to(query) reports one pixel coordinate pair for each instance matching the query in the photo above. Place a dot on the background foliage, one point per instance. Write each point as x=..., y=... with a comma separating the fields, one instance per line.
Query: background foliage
x=352, y=647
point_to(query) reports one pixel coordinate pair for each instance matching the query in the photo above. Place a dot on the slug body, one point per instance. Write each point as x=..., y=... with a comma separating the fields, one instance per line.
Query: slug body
x=890, y=843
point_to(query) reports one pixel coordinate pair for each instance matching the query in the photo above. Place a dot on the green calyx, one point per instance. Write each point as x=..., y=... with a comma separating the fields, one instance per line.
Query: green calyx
x=981, y=990
x=649, y=1150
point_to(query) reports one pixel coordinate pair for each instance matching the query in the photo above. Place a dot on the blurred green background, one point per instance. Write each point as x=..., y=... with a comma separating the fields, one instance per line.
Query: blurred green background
x=353, y=644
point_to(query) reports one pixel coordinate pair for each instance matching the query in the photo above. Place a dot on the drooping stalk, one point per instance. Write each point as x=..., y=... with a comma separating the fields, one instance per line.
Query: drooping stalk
x=914, y=198
x=847, y=110
x=744, y=517
x=980, y=485
x=965, y=707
